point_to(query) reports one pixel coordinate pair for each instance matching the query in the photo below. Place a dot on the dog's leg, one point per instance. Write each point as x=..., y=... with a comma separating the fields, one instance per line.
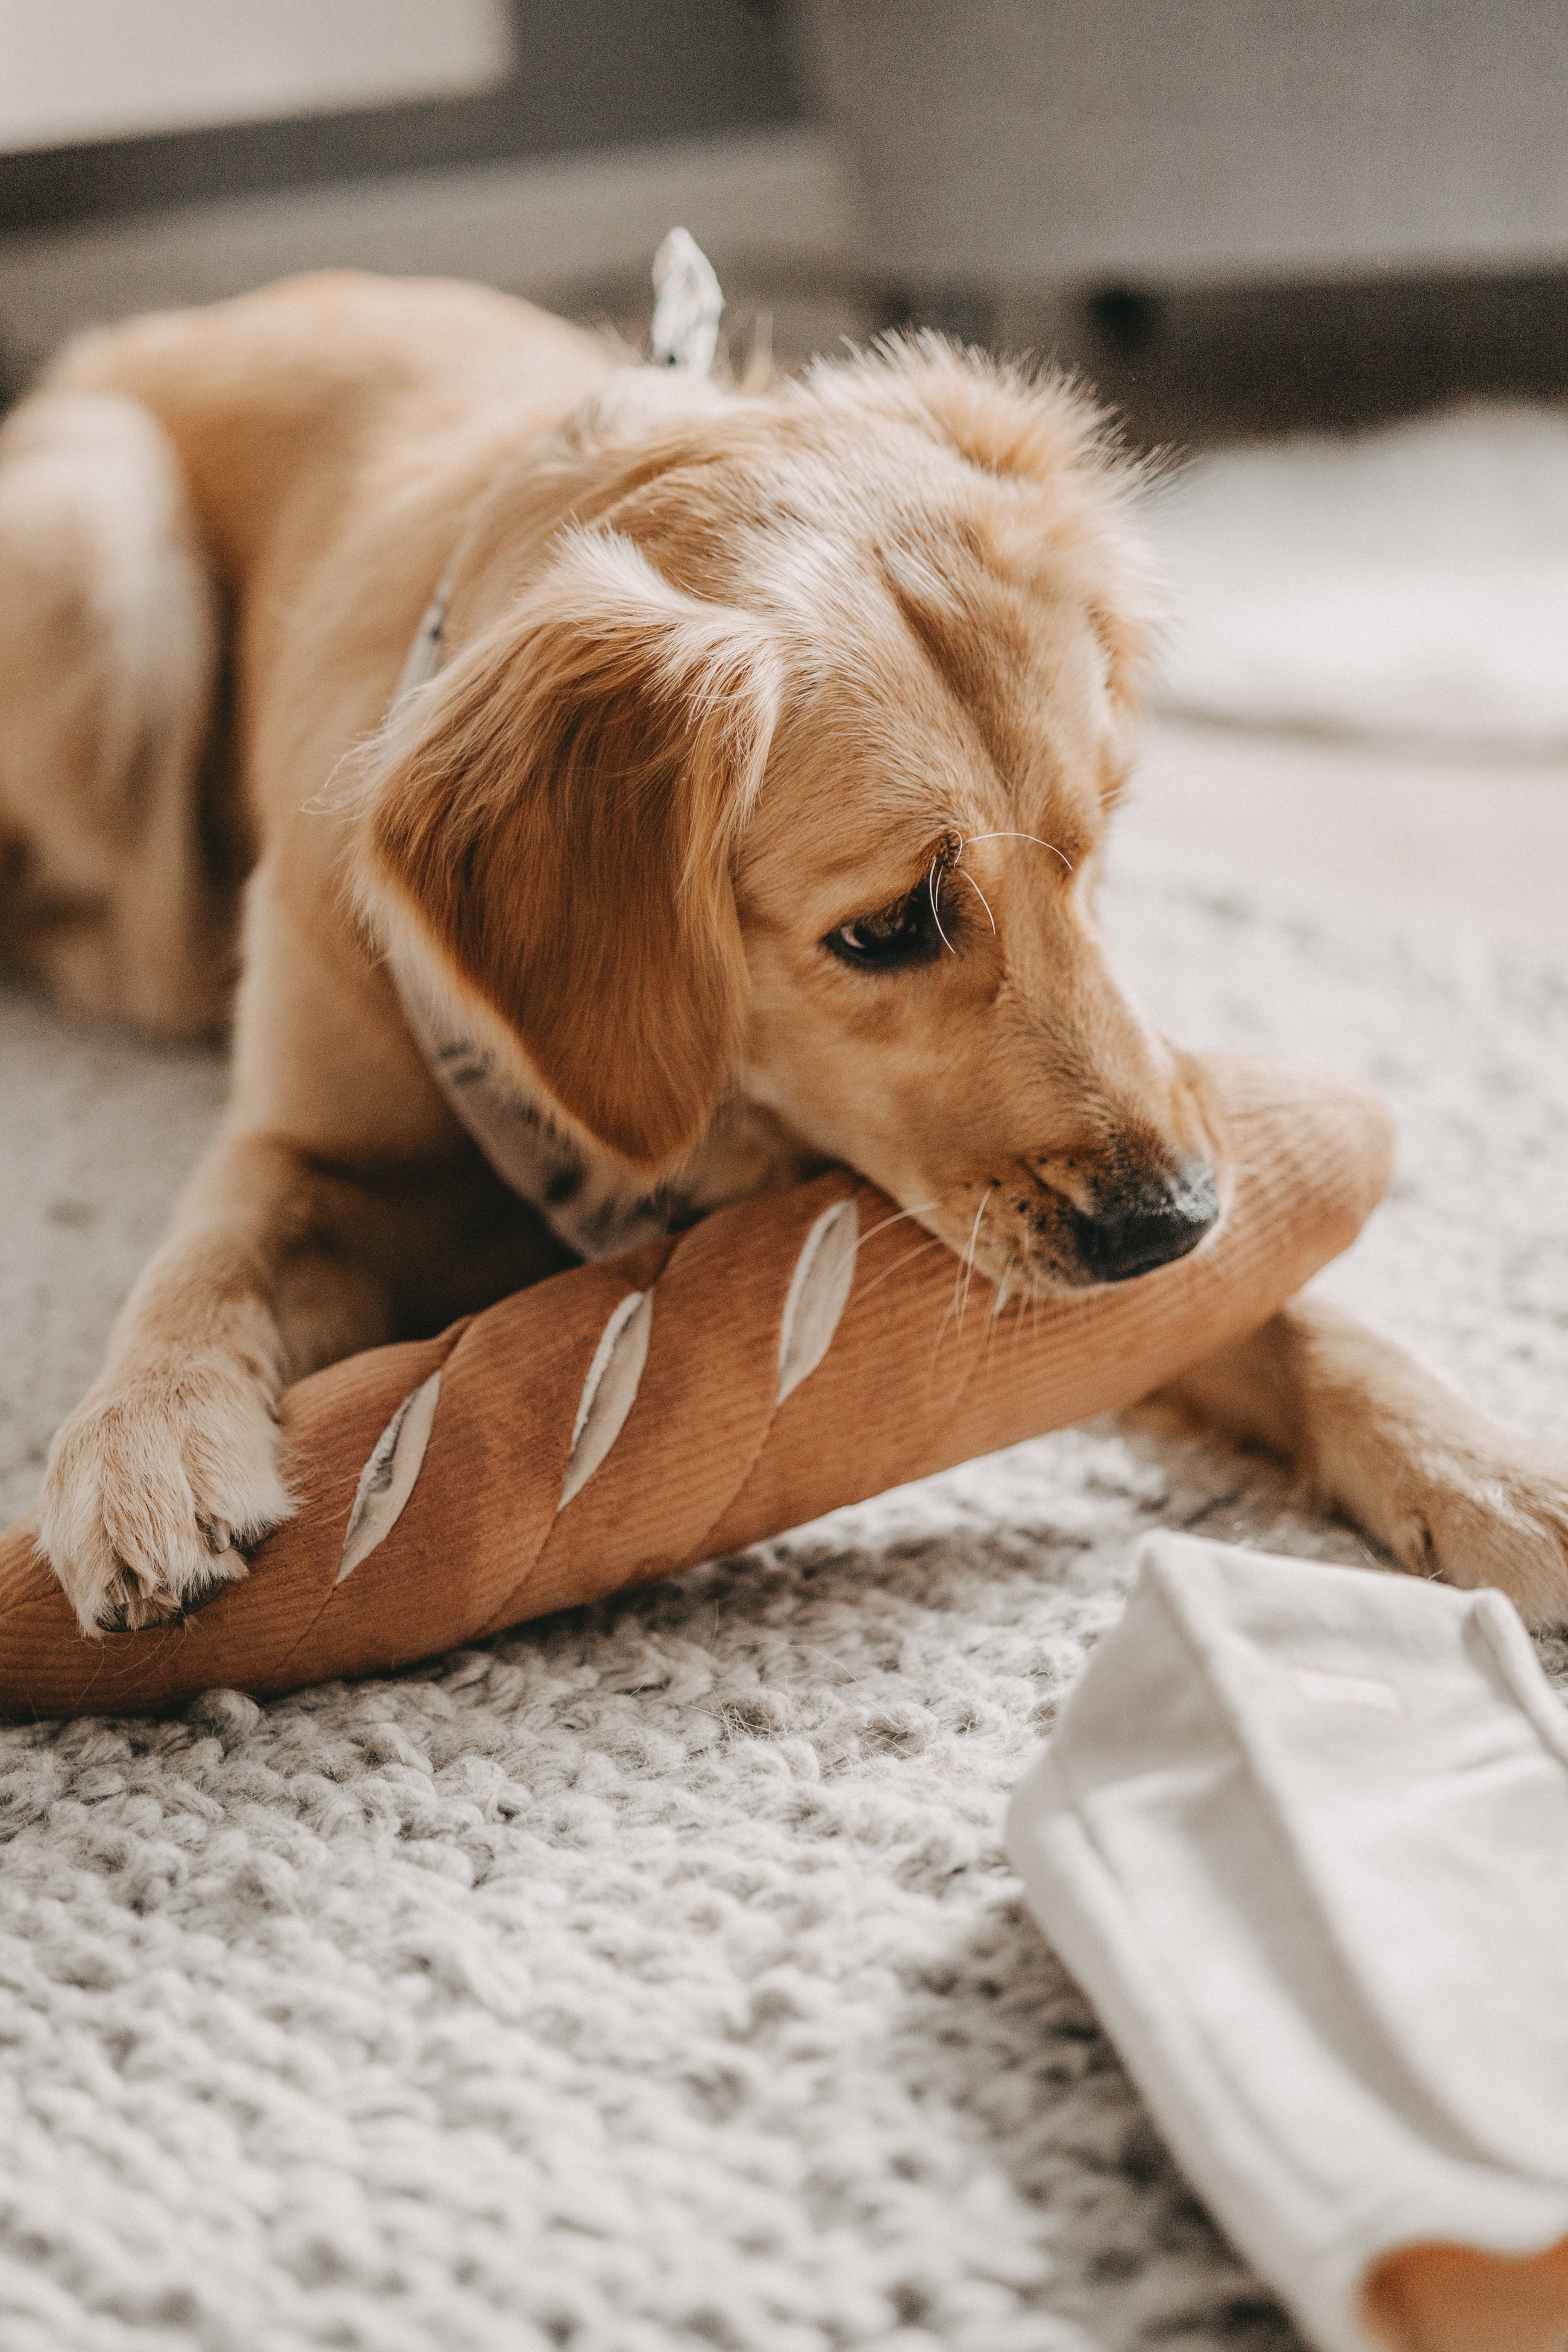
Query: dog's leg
x=109, y=661
x=168, y=1465
x=1447, y=1492
x=341, y=1206
x=276, y=1266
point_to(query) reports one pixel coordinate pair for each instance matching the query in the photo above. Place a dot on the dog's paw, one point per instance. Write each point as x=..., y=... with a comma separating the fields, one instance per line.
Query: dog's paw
x=154, y=1486
x=1487, y=1509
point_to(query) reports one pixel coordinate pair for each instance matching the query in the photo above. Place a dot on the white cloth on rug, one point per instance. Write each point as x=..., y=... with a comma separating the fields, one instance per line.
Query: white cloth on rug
x=1302, y=1834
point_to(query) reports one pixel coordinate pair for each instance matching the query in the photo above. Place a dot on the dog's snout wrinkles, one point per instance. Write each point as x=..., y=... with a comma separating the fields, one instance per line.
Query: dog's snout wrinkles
x=1161, y=1218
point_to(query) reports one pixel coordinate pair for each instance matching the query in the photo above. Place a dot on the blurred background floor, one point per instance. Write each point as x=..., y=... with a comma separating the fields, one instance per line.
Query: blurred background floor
x=1476, y=841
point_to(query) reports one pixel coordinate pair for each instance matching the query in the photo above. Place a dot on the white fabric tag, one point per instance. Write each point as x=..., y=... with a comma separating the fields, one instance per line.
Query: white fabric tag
x=687, y=307
x=1302, y=1834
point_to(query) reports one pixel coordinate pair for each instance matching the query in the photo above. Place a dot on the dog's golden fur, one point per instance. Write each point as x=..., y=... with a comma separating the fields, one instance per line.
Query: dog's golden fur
x=752, y=823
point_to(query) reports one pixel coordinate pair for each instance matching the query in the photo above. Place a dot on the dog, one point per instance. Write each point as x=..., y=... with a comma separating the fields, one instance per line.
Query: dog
x=748, y=824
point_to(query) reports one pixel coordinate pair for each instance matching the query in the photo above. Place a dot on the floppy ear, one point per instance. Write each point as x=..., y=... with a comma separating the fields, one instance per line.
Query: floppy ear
x=561, y=829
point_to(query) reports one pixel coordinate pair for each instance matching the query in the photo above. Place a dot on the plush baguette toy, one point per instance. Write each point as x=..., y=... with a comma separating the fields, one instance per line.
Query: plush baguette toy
x=627, y=1419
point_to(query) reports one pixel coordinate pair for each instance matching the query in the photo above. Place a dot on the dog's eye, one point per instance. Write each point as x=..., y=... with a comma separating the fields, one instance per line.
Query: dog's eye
x=906, y=933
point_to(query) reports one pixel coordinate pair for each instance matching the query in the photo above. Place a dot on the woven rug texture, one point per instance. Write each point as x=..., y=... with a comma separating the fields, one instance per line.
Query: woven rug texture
x=652, y=1976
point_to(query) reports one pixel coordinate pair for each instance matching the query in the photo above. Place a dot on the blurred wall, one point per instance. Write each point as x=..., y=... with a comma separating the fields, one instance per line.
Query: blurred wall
x=608, y=120
x=582, y=75
x=86, y=70
x=1035, y=173
x=1197, y=141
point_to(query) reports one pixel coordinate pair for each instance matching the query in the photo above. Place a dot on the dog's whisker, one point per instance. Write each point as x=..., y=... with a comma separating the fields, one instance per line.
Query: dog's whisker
x=1017, y=1332
x=995, y=1317
x=936, y=1342
x=961, y=1266
x=907, y=1259
x=919, y=1211
x=1019, y=836
x=969, y=1259
x=931, y=894
x=1000, y=1301
x=980, y=895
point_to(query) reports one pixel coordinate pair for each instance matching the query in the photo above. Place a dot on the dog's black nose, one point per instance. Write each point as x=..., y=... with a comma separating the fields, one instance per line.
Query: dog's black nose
x=1147, y=1225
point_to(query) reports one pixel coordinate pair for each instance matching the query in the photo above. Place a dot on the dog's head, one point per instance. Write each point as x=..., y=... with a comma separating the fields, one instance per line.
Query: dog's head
x=785, y=777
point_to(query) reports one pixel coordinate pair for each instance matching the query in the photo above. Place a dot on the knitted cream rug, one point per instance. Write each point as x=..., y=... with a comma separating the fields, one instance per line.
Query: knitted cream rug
x=652, y=1976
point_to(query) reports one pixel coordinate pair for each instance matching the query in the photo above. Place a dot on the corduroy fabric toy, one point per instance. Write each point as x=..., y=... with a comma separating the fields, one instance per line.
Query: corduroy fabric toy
x=629, y=1418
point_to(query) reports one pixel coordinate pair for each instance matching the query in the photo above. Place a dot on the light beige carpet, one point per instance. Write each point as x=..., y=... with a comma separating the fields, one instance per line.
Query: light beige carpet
x=652, y=1977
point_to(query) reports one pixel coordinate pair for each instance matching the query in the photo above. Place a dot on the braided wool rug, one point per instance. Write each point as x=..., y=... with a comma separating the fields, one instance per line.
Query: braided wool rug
x=652, y=1976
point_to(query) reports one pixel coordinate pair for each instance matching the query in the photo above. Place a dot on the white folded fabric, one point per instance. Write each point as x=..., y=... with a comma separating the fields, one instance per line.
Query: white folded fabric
x=1301, y=1835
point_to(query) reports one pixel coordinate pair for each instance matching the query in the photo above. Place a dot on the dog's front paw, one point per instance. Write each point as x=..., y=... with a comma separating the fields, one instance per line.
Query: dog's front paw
x=1487, y=1510
x=153, y=1487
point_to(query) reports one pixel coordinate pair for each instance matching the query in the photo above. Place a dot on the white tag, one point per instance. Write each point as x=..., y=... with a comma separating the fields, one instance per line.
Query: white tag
x=688, y=305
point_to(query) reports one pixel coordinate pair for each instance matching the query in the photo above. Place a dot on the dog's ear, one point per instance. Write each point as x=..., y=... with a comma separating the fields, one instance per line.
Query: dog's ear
x=560, y=826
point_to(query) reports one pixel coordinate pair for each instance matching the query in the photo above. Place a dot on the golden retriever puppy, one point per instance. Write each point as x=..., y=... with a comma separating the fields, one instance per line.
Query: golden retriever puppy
x=748, y=820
